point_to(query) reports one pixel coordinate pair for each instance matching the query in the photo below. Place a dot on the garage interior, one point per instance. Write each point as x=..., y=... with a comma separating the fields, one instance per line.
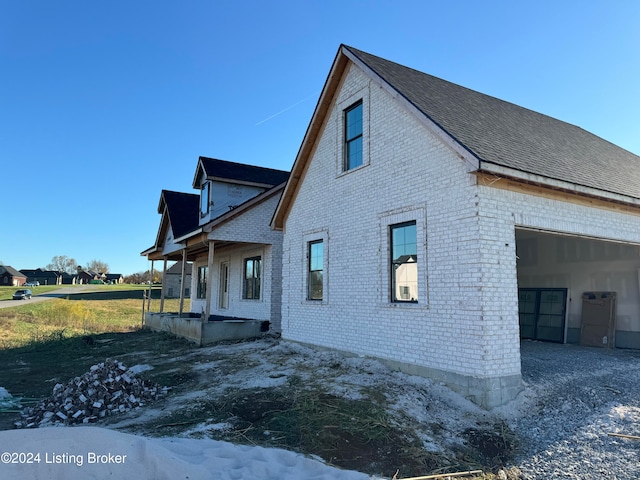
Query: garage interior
x=578, y=290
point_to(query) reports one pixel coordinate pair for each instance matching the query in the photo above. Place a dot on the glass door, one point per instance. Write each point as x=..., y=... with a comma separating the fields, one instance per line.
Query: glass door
x=542, y=313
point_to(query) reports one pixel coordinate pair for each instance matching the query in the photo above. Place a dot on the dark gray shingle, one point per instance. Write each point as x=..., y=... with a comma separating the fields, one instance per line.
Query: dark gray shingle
x=506, y=134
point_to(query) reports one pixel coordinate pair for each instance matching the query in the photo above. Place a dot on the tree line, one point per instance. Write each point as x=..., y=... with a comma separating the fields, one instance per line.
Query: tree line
x=62, y=263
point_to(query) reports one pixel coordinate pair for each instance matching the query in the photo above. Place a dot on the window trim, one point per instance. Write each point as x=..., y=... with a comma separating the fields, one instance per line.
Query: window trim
x=386, y=219
x=349, y=141
x=310, y=270
x=256, y=280
x=201, y=282
x=205, y=198
x=392, y=264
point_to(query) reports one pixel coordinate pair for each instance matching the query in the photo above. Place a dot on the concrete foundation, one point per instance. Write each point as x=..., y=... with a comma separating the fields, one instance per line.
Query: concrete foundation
x=193, y=328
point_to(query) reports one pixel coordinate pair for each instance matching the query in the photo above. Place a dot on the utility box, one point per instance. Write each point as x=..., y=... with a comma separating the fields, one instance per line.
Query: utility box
x=598, y=319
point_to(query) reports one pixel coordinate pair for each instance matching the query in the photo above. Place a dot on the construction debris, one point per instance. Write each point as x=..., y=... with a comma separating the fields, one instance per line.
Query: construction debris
x=621, y=435
x=108, y=388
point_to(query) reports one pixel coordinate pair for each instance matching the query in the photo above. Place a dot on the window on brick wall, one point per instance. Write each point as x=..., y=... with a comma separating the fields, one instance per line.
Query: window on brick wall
x=353, y=152
x=252, y=274
x=315, y=270
x=203, y=272
x=404, y=262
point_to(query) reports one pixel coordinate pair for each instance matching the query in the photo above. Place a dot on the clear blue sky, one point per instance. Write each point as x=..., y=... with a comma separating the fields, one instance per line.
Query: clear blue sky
x=104, y=104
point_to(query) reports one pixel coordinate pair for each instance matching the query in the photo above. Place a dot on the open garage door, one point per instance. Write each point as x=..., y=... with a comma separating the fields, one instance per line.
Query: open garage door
x=556, y=270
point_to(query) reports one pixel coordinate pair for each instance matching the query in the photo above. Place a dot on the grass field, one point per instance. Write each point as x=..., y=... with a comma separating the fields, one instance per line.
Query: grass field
x=88, y=310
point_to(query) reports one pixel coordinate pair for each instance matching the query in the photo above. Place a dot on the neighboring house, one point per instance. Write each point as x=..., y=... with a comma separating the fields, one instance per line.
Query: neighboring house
x=87, y=276
x=173, y=281
x=9, y=276
x=68, y=279
x=44, y=277
x=236, y=256
x=116, y=278
x=415, y=210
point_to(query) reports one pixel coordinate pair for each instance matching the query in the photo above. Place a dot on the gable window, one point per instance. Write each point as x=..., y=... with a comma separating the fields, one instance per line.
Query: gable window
x=353, y=136
x=204, y=198
x=315, y=270
x=203, y=272
x=252, y=273
x=404, y=262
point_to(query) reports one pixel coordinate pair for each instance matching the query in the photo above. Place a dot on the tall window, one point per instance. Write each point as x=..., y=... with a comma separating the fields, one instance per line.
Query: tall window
x=252, y=273
x=353, y=136
x=204, y=199
x=203, y=272
x=316, y=265
x=404, y=263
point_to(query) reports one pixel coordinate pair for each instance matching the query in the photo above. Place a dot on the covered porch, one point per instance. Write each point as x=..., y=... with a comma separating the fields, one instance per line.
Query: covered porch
x=197, y=326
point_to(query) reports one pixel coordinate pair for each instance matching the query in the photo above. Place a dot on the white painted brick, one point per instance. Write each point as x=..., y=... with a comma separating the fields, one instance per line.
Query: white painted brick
x=466, y=321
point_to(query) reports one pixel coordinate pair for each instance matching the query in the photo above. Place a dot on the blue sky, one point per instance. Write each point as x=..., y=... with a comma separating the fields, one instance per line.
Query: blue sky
x=104, y=104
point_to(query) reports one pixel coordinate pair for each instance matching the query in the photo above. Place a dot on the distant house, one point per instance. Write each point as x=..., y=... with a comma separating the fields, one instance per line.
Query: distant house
x=68, y=279
x=116, y=278
x=173, y=281
x=9, y=276
x=89, y=276
x=44, y=277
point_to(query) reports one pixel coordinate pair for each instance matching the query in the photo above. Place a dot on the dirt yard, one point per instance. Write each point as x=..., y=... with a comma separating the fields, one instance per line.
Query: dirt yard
x=355, y=413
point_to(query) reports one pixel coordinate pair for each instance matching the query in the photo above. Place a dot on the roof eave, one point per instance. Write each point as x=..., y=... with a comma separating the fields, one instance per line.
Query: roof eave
x=556, y=184
x=309, y=140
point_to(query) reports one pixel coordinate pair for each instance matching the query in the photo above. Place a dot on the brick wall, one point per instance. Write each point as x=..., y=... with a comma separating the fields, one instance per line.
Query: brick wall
x=464, y=328
x=252, y=237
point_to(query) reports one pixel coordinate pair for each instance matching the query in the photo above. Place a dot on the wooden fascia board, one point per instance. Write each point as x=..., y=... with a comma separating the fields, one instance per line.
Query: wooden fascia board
x=556, y=184
x=309, y=141
x=530, y=187
x=196, y=175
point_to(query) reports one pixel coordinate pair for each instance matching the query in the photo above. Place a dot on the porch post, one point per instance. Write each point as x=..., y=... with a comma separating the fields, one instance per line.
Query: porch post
x=164, y=284
x=209, y=279
x=182, y=277
x=150, y=283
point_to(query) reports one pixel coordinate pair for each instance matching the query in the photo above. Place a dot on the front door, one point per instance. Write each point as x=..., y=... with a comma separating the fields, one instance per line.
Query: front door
x=542, y=313
x=224, y=285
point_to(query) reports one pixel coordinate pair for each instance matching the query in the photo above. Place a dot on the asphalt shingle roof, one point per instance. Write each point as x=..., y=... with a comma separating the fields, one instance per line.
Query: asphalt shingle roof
x=183, y=210
x=502, y=133
x=242, y=172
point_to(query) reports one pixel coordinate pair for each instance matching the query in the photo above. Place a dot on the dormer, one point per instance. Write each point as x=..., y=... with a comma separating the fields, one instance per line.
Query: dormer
x=225, y=185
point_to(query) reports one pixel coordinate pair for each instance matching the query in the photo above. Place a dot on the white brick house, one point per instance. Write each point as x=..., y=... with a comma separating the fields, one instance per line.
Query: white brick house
x=225, y=233
x=408, y=207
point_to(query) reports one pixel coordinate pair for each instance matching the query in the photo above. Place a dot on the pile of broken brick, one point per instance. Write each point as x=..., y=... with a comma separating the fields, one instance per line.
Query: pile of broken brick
x=106, y=389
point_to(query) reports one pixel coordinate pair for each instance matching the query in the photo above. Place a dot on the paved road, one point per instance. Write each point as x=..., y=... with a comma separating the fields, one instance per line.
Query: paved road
x=60, y=293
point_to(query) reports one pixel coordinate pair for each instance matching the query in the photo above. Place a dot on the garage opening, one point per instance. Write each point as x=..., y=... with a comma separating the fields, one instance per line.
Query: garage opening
x=557, y=272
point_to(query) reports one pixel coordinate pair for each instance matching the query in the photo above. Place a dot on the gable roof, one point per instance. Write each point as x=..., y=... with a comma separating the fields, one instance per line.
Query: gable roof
x=182, y=210
x=502, y=133
x=38, y=272
x=11, y=271
x=238, y=173
x=498, y=136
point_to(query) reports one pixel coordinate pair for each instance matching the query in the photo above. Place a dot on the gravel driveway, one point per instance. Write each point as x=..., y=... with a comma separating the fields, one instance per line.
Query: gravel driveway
x=574, y=398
